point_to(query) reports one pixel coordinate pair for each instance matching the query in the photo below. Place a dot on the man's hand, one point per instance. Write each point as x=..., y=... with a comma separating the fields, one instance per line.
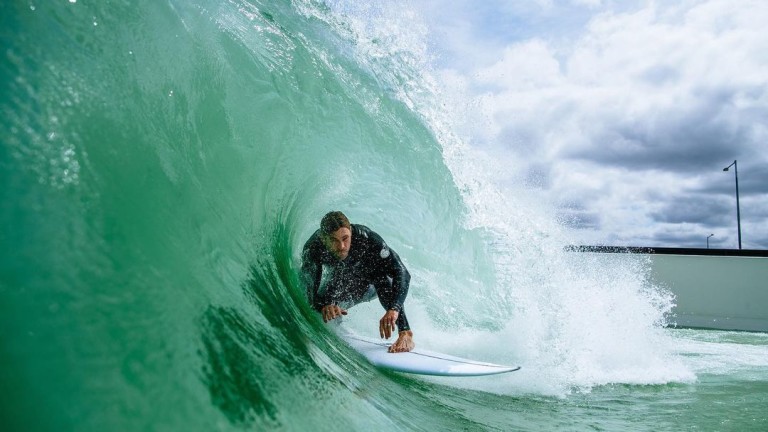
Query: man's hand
x=332, y=312
x=387, y=323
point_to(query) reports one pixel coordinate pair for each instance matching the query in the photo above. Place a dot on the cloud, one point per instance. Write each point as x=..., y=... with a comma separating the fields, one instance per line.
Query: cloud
x=628, y=115
x=577, y=217
x=701, y=209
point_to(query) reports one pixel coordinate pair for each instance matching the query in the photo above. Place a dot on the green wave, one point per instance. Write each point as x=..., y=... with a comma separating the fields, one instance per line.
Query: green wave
x=165, y=163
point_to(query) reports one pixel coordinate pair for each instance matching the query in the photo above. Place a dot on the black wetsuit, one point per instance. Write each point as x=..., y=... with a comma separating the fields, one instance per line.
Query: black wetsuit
x=369, y=262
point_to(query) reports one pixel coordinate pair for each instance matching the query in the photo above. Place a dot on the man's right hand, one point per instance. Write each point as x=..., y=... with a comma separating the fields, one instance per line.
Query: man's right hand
x=332, y=312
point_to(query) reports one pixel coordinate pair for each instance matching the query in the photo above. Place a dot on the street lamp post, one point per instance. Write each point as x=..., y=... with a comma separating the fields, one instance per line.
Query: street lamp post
x=708, y=240
x=738, y=211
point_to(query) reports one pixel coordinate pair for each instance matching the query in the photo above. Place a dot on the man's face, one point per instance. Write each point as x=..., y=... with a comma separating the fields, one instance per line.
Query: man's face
x=338, y=242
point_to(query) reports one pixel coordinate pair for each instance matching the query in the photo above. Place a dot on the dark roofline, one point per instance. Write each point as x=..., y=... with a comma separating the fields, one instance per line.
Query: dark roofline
x=669, y=251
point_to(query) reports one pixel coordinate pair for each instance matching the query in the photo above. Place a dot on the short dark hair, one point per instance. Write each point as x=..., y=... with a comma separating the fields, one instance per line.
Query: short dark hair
x=332, y=221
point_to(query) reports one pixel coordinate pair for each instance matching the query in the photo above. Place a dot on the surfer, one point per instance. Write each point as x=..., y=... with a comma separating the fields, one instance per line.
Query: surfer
x=345, y=264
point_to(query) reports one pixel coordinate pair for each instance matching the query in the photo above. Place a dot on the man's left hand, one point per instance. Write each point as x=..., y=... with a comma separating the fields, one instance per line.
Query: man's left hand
x=387, y=323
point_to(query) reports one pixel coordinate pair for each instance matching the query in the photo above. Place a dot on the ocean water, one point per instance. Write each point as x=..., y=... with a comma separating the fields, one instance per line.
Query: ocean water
x=162, y=164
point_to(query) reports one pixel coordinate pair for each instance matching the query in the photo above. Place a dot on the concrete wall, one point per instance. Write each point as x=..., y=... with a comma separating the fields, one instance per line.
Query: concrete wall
x=719, y=292
x=722, y=289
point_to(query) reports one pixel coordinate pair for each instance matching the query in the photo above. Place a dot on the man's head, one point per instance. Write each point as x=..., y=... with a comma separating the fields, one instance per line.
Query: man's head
x=336, y=233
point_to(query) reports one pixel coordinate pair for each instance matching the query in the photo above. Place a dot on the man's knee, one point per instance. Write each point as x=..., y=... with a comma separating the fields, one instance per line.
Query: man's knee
x=370, y=294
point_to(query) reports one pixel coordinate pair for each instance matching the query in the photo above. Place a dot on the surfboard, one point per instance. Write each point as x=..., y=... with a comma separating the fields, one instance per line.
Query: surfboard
x=420, y=361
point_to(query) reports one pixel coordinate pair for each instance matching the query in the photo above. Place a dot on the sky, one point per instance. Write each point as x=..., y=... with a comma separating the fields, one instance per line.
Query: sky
x=621, y=114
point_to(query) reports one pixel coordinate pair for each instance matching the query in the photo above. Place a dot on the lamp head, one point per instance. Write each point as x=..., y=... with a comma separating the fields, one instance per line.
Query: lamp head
x=726, y=168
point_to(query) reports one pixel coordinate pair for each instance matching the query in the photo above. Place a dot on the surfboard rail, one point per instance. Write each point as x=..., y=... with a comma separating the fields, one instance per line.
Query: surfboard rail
x=421, y=362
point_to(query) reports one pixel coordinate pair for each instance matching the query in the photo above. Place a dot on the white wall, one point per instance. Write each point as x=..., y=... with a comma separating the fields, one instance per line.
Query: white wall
x=720, y=292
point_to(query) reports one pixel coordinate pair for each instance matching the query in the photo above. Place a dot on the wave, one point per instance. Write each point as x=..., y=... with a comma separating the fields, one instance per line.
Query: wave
x=165, y=163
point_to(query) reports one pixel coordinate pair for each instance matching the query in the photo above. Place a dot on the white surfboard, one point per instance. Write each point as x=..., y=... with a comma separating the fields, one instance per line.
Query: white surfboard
x=421, y=361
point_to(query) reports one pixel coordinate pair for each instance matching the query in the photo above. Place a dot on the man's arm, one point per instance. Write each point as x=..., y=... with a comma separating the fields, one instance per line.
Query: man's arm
x=311, y=272
x=395, y=314
x=394, y=268
x=401, y=280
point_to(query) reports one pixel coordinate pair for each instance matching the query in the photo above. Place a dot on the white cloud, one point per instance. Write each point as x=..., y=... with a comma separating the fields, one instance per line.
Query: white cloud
x=633, y=109
x=588, y=3
x=529, y=65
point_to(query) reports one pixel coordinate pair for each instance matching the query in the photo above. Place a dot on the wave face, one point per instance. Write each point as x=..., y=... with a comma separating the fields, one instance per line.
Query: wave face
x=163, y=164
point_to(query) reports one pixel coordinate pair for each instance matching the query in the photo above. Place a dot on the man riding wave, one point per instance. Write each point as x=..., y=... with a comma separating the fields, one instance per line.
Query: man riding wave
x=357, y=265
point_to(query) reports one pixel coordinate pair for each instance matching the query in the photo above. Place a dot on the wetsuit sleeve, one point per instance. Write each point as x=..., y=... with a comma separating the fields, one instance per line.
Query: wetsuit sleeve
x=393, y=267
x=311, y=272
x=401, y=280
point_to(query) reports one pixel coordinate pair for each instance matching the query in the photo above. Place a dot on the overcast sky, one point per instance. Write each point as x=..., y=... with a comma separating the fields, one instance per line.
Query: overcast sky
x=623, y=113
